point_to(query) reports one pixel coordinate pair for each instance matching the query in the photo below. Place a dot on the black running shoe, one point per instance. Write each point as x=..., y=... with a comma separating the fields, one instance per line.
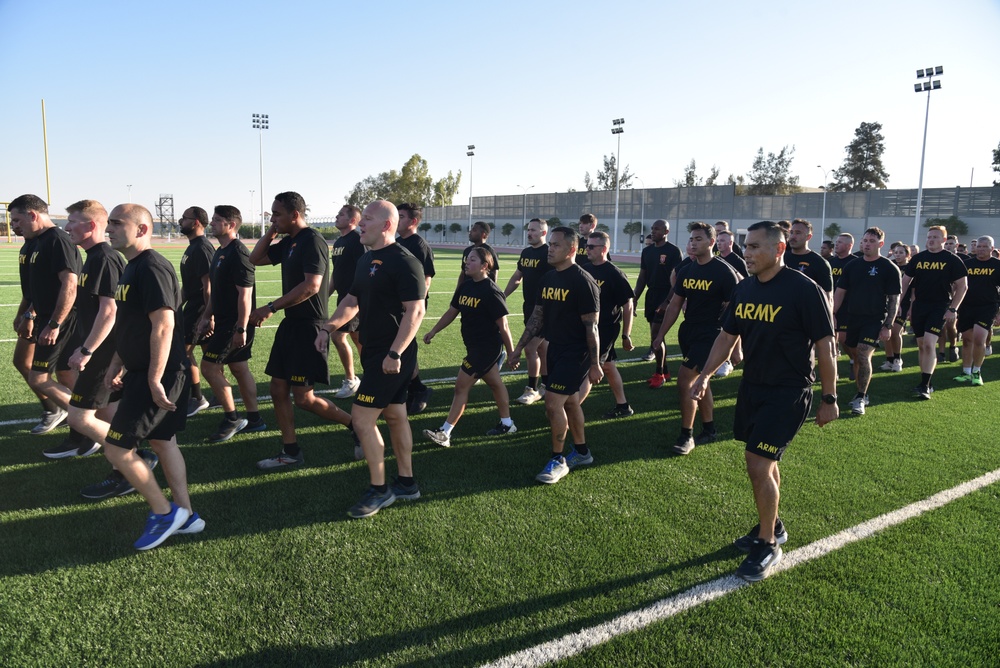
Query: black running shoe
x=758, y=564
x=227, y=429
x=420, y=400
x=254, y=425
x=618, y=412
x=744, y=543
x=705, y=437
x=405, y=492
x=114, y=485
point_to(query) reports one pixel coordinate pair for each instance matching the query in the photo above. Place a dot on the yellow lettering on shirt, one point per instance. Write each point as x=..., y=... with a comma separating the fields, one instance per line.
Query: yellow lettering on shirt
x=697, y=284
x=469, y=301
x=762, y=312
x=555, y=294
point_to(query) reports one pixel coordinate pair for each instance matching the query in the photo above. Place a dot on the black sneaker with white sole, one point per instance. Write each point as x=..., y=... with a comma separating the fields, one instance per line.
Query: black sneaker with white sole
x=227, y=429
x=758, y=564
x=405, y=492
x=744, y=543
x=706, y=437
x=502, y=429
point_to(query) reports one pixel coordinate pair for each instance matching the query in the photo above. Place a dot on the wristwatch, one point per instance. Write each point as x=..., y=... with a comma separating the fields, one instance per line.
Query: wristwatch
x=953, y=310
x=240, y=330
x=393, y=355
x=53, y=324
x=85, y=352
x=270, y=305
x=829, y=399
x=28, y=315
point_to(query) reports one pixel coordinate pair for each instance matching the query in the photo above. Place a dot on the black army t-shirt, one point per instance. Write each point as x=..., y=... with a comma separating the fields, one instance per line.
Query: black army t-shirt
x=347, y=250
x=481, y=304
x=305, y=253
x=385, y=279
x=779, y=321
x=419, y=249
x=99, y=277
x=195, y=263
x=984, y=282
x=659, y=262
x=615, y=292
x=707, y=288
x=813, y=265
x=533, y=264
x=24, y=268
x=566, y=295
x=231, y=269
x=147, y=284
x=868, y=284
x=933, y=274
x=52, y=253
x=737, y=263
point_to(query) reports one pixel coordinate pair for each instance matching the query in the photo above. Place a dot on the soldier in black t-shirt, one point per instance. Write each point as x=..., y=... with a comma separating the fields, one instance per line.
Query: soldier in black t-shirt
x=487, y=340
x=615, y=317
x=532, y=264
x=478, y=235
x=722, y=230
x=24, y=326
x=418, y=395
x=226, y=323
x=730, y=253
x=657, y=264
x=839, y=259
x=389, y=295
x=870, y=288
x=53, y=270
x=567, y=312
x=587, y=224
x=799, y=257
x=979, y=311
x=196, y=287
x=900, y=256
x=702, y=290
x=940, y=280
x=347, y=250
x=294, y=364
x=150, y=352
x=780, y=317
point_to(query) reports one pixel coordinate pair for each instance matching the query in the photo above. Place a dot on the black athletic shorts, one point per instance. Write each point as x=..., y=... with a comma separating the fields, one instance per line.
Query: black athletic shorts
x=606, y=339
x=138, y=418
x=863, y=330
x=379, y=389
x=696, y=343
x=842, y=319
x=294, y=356
x=352, y=324
x=219, y=347
x=480, y=359
x=49, y=359
x=928, y=318
x=769, y=416
x=983, y=315
x=190, y=319
x=652, y=302
x=89, y=391
x=568, y=366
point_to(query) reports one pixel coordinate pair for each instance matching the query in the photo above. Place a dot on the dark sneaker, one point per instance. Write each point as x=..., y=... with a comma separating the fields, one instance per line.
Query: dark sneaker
x=940, y=358
x=404, y=492
x=149, y=457
x=371, y=502
x=161, y=527
x=114, y=485
x=359, y=452
x=649, y=357
x=420, y=400
x=953, y=354
x=194, y=524
x=68, y=448
x=195, y=406
x=758, y=564
x=922, y=392
x=213, y=403
x=281, y=460
x=254, y=426
x=744, y=543
x=574, y=459
x=227, y=429
x=88, y=448
x=706, y=437
x=50, y=420
x=618, y=412
x=502, y=429
x=684, y=445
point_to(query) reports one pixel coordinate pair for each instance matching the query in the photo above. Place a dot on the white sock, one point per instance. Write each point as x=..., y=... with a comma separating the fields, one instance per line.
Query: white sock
x=446, y=428
x=967, y=370
x=977, y=369
x=506, y=421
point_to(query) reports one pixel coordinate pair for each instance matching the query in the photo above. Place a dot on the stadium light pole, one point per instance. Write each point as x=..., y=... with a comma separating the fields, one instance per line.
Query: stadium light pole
x=642, y=212
x=822, y=228
x=129, y=186
x=930, y=84
x=251, y=216
x=261, y=123
x=471, y=153
x=524, y=212
x=617, y=129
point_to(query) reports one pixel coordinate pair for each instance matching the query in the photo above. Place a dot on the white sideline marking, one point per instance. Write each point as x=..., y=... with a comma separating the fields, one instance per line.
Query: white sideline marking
x=575, y=643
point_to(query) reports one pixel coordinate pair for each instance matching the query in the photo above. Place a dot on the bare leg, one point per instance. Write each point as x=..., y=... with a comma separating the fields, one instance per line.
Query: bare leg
x=307, y=400
x=248, y=385
x=365, y=421
x=864, y=373
x=766, y=492
x=500, y=396
x=340, y=343
x=463, y=384
x=555, y=410
x=215, y=374
x=401, y=436
x=284, y=410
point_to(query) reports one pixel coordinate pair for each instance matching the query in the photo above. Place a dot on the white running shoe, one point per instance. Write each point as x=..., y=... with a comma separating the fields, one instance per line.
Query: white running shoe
x=897, y=365
x=529, y=396
x=725, y=369
x=348, y=388
x=886, y=366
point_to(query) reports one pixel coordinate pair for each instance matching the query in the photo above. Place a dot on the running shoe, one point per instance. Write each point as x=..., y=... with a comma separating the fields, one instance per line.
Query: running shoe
x=114, y=485
x=725, y=369
x=529, y=396
x=227, y=429
x=348, y=388
x=706, y=437
x=886, y=366
x=758, y=564
x=922, y=392
x=684, y=445
x=88, y=448
x=554, y=471
x=858, y=405
x=50, y=420
x=254, y=426
x=281, y=460
x=657, y=380
x=501, y=429
x=194, y=524
x=68, y=448
x=649, y=357
x=196, y=406
x=744, y=543
x=897, y=365
x=618, y=412
x=964, y=378
x=989, y=350
x=439, y=437
x=977, y=379
x=953, y=354
x=574, y=459
x=161, y=527
x=371, y=502
x=404, y=492
x=420, y=400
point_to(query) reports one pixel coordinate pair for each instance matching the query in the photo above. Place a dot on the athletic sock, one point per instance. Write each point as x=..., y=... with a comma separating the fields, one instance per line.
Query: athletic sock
x=976, y=370
x=232, y=416
x=623, y=406
x=545, y=379
x=709, y=426
x=405, y=480
x=533, y=382
x=291, y=449
x=925, y=379
x=686, y=432
x=196, y=391
x=859, y=395
x=48, y=405
x=557, y=455
x=967, y=370
x=381, y=489
x=253, y=417
x=446, y=428
x=506, y=421
x=581, y=449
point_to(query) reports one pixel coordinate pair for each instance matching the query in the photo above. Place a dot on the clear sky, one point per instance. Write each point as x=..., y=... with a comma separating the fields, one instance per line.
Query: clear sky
x=160, y=95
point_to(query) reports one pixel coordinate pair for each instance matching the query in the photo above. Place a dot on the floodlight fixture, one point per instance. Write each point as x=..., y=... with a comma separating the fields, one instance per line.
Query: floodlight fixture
x=929, y=85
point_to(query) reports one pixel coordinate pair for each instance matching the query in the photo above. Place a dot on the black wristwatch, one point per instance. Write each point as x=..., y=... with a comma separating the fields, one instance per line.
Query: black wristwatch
x=53, y=324
x=28, y=315
x=240, y=330
x=953, y=310
x=830, y=399
x=393, y=355
x=270, y=305
x=85, y=352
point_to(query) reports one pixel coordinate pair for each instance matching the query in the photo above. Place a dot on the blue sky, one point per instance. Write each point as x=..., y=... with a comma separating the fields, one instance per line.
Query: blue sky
x=159, y=95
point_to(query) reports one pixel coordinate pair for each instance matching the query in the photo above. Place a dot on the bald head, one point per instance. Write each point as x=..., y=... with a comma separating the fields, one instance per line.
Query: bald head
x=130, y=229
x=378, y=224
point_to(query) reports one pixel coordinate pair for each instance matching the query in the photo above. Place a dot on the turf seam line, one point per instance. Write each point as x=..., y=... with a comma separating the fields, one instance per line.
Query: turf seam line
x=575, y=643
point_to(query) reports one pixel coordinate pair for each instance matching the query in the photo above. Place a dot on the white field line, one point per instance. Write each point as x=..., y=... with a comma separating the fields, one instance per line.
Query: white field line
x=575, y=643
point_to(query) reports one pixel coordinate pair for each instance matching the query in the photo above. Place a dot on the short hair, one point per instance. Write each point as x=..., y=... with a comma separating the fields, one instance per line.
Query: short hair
x=775, y=231
x=805, y=223
x=827, y=243
x=199, y=214
x=568, y=234
x=709, y=230
x=783, y=224
x=356, y=211
x=26, y=203
x=292, y=201
x=414, y=210
x=482, y=226
x=666, y=223
x=893, y=245
x=953, y=236
x=940, y=228
x=603, y=236
x=724, y=233
x=876, y=232
x=848, y=235
x=90, y=207
x=987, y=238
x=230, y=214
x=914, y=249
x=588, y=218
x=724, y=223
x=483, y=256
x=541, y=221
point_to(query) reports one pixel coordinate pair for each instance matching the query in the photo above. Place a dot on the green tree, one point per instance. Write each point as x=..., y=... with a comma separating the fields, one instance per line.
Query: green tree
x=601, y=227
x=771, y=174
x=632, y=228
x=996, y=163
x=440, y=228
x=423, y=227
x=606, y=177
x=738, y=182
x=455, y=228
x=507, y=230
x=953, y=224
x=692, y=180
x=862, y=168
x=554, y=222
x=412, y=183
x=831, y=231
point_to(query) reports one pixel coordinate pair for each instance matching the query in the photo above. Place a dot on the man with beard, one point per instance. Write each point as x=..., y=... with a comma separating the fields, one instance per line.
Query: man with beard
x=418, y=394
x=197, y=289
x=347, y=250
x=531, y=266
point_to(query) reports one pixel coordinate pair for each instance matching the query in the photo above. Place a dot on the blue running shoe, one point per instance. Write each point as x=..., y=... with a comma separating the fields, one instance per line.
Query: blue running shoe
x=554, y=471
x=161, y=527
x=575, y=459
